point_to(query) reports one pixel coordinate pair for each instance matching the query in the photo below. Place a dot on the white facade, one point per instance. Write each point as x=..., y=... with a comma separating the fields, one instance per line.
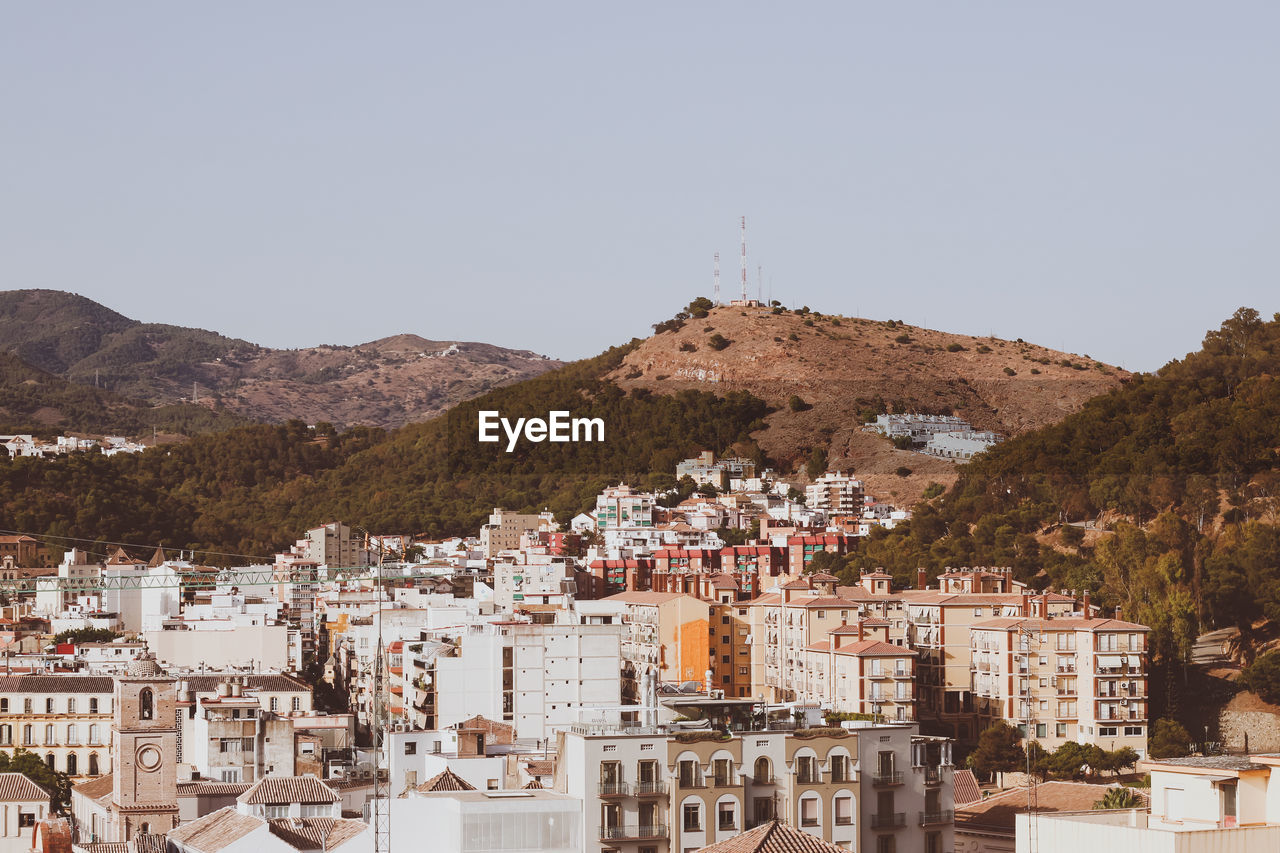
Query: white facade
x=484, y=821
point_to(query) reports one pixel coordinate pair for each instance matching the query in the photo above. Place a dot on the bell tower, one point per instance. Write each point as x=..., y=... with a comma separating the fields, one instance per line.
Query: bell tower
x=144, y=796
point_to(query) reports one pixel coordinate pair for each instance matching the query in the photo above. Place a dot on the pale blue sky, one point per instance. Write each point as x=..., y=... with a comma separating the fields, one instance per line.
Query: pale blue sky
x=556, y=176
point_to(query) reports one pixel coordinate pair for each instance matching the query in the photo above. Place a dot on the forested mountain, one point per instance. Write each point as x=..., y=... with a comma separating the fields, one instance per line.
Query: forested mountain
x=33, y=401
x=387, y=383
x=1162, y=497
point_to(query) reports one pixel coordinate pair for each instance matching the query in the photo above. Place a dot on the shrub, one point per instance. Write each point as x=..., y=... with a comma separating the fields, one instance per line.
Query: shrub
x=933, y=490
x=793, y=337
x=1263, y=677
x=983, y=348
x=808, y=322
x=1035, y=371
x=835, y=321
x=688, y=346
x=902, y=339
x=1009, y=371
x=1168, y=740
x=796, y=404
x=955, y=348
x=718, y=342
x=903, y=471
x=777, y=309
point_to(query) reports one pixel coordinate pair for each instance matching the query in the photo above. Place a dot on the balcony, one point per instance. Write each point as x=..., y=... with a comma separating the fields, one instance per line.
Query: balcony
x=937, y=818
x=894, y=820
x=932, y=776
x=612, y=789
x=692, y=783
x=650, y=789
x=632, y=833
x=884, y=780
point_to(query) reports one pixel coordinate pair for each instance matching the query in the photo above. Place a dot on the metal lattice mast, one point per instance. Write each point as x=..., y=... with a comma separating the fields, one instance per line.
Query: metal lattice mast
x=744, y=259
x=378, y=722
x=716, y=279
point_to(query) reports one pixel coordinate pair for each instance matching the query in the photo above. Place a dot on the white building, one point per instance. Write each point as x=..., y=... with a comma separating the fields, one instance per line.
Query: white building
x=961, y=445
x=23, y=803
x=521, y=821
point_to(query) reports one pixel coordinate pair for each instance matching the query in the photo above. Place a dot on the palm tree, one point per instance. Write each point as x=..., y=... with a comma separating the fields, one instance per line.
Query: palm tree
x=1119, y=798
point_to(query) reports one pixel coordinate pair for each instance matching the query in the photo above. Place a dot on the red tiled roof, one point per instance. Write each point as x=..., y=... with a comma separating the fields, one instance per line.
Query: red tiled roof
x=17, y=788
x=996, y=813
x=774, y=837
x=965, y=787
x=288, y=789
x=445, y=781
x=316, y=833
x=215, y=830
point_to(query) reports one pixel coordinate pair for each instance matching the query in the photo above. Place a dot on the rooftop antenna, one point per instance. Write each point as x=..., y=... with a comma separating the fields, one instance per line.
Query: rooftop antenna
x=717, y=279
x=744, y=259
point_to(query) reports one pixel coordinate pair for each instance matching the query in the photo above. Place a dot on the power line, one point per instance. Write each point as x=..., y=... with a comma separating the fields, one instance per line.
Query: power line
x=150, y=547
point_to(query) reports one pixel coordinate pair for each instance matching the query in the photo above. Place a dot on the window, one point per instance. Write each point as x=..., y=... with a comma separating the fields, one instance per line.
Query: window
x=49, y=736
x=885, y=844
x=809, y=811
x=725, y=816
x=1106, y=731
x=48, y=760
x=93, y=764
x=26, y=819
x=977, y=611
x=93, y=733
x=410, y=747
x=688, y=774
x=26, y=735
x=26, y=705
x=93, y=706
x=692, y=817
x=806, y=770
x=844, y=811
x=1042, y=729
x=1060, y=730
x=839, y=768
x=762, y=810
x=6, y=735
x=73, y=735
x=723, y=772
x=71, y=705
x=297, y=703
x=146, y=704
x=275, y=703
x=72, y=770
x=4, y=706
x=275, y=812
x=763, y=771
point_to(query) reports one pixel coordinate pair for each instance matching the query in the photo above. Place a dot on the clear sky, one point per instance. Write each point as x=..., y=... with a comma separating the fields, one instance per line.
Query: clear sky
x=556, y=176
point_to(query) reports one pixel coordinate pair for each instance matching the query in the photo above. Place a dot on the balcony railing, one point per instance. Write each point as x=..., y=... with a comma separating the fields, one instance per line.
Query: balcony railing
x=933, y=776
x=692, y=783
x=883, y=779
x=632, y=833
x=650, y=789
x=612, y=789
x=889, y=821
x=936, y=818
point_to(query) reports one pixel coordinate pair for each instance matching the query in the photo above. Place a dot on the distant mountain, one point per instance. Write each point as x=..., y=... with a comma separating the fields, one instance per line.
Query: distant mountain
x=386, y=383
x=33, y=401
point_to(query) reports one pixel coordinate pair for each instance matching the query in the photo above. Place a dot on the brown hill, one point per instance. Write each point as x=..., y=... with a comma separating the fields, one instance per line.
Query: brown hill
x=387, y=383
x=844, y=369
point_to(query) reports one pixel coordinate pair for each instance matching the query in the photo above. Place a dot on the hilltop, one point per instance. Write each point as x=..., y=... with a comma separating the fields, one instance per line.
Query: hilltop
x=845, y=370
x=386, y=383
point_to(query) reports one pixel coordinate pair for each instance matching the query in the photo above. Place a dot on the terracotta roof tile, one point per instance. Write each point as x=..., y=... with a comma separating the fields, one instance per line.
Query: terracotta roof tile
x=316, y=833
x=17, y=788
x=445, y=781
x=215, y=830
x=996, y=813
x=57, y=684
x=774, y=837
x=965, y=787
x=288, y=789
x=96, y=788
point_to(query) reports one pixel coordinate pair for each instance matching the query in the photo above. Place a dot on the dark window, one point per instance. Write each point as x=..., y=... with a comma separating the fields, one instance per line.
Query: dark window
x=146, y=704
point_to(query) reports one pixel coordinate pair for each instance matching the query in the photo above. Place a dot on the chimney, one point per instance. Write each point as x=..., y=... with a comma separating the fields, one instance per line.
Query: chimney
x=1086, y=605
x=860, y=632
x=1026, y=605
x=1119, y=614
x=922, y=581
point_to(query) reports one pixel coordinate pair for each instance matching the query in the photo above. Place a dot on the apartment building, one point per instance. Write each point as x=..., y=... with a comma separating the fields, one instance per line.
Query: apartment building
x=1063, y=679
x=802, y=547
x=666, y=635
x=939, y=625
x=504, y=529
x=65, y=719
x=658, y=791
x=835, y=494
x=532, y=576
x=858, y=674
x=621, y=506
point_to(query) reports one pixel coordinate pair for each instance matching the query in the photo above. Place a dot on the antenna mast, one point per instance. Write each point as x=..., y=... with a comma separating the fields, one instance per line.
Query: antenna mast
x=744, y=259
x=717, y=279
x=760, y=284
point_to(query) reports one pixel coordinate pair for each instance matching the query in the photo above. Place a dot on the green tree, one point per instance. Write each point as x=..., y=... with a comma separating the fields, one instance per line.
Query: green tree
x=86, y=635
x=1168, y=739
x=997, y=751
x=1263, y=677
x=30, y=765
x=1119, y=798
x=816, y=465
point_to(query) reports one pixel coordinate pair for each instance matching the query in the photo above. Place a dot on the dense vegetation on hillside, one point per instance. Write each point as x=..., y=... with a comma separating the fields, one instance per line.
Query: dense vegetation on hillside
x=252, y=490
x=1177, y=469
x=32, y=401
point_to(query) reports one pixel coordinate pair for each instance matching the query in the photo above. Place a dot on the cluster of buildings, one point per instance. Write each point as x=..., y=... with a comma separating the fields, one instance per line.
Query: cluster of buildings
x=945, y=436
x=29, y=445
x=629, y=683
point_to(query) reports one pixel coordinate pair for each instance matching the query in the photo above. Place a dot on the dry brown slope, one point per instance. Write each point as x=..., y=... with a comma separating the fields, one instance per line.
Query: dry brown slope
x=842, y=366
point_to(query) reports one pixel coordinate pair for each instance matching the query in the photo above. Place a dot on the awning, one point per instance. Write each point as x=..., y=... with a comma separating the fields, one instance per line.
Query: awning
x=1111, y=660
